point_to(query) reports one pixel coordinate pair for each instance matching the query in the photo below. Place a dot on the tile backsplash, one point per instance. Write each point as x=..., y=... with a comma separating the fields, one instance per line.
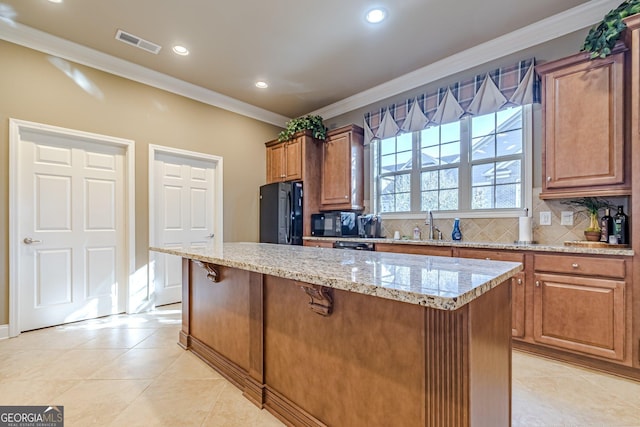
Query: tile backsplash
x=505, y=230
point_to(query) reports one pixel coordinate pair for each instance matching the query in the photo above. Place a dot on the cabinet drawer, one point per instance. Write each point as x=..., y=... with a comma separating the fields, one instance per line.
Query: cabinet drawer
x=608, y=267
x=491, y=255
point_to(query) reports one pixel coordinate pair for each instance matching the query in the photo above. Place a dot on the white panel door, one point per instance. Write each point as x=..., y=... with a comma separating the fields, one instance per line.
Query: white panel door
x=72, y=262
x=184, y=217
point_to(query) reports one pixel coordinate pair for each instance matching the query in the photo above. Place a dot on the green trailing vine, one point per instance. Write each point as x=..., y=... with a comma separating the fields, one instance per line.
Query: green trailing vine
x=603, y=37
x=312, y=123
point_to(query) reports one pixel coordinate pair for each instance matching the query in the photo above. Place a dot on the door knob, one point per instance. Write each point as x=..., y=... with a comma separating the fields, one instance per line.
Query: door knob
x=30, y=241
x=210, y=236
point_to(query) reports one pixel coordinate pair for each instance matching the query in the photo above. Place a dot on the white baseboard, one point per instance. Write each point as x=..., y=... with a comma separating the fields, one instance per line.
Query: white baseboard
x=4, y=332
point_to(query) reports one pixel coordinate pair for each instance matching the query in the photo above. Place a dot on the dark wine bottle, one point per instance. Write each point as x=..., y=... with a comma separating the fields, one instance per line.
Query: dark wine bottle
x=606, y=226
x=621, y=227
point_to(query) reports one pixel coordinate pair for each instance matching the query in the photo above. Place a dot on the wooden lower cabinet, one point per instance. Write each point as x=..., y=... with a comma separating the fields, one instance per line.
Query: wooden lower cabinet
x=580, y=313
x=517, y=283
x=582, y=304
x=318, y=243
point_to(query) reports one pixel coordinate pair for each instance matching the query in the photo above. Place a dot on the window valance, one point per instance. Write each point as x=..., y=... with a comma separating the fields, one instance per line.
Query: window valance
x=485, y=93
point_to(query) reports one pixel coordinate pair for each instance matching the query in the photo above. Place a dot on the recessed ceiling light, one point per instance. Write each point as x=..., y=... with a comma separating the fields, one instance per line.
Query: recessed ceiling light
x=262, y=85
x=55, y=1
x=376, y=15
x=181, y=50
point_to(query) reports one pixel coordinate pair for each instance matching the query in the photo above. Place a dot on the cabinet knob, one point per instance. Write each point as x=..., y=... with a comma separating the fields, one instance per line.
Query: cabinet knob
x=537, y=283
x=575, y=265
x=488, y=259
x=346, y=197
x=548, y=179
x=519, y=281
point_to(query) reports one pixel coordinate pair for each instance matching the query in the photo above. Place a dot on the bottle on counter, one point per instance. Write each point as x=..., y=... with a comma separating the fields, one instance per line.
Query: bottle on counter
x=621, y=227
x=456, y=234
x=416, y=233
x=606, y=226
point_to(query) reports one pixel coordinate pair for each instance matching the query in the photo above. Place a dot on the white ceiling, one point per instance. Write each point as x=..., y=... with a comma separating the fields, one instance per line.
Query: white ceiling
x=315, y=55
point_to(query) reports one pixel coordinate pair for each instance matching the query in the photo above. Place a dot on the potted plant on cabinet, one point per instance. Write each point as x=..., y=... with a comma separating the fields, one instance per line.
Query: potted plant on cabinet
x=603, y=37
x=592, y=206
x=312, y=123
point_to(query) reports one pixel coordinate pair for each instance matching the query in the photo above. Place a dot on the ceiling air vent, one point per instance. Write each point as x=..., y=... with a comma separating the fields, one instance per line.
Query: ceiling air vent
x=137, y=42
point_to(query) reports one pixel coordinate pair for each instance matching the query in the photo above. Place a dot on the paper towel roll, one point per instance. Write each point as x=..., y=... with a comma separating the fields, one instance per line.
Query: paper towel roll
x=524, y=229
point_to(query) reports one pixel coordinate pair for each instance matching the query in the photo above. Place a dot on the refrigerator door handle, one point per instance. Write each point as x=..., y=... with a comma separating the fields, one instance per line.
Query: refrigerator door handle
x=289, y=217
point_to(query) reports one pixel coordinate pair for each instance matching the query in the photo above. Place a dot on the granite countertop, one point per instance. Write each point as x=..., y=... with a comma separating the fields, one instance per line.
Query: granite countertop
x=535, y=247
x=438, y=282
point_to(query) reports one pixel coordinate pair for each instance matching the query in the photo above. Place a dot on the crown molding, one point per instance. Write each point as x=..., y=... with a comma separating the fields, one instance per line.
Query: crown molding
x=34, y=39
x=550, y=28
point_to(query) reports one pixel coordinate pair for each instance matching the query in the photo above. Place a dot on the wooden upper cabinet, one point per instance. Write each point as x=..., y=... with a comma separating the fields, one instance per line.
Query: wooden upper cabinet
x=342, y=186
x=583, y=150
x=284, y=160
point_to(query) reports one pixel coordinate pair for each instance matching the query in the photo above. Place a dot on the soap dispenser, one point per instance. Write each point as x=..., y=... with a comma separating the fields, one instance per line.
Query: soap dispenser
x=416, y=233
x=456, y=234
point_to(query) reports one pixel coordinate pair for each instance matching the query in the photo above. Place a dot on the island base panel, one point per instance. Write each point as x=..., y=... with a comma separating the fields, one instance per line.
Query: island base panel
x=371, y=361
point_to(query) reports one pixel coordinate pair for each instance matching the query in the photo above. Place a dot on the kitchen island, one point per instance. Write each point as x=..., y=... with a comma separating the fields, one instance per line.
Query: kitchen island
x=348, y=338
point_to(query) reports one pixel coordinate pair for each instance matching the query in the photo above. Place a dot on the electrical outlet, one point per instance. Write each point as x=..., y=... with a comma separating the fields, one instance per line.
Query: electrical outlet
x=545, y=218
x=566, y=218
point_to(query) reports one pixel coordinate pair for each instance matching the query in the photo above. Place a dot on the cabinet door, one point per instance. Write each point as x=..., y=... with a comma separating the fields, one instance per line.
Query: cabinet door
x=275, y=163
x=336, y=171
x=517, y=283
x=293, y=160
x=580, y=314
x=517, y=305
x=583, y=111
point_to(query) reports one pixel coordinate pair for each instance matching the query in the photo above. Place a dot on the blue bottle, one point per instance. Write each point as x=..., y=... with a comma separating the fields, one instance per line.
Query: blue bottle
x=456, y=234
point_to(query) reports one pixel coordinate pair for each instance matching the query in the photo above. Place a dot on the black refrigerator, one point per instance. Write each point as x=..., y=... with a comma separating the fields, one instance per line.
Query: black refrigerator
x=281, y=213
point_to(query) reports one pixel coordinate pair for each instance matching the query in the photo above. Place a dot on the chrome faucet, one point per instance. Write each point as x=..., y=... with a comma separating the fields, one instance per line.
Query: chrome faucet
x=429, y=221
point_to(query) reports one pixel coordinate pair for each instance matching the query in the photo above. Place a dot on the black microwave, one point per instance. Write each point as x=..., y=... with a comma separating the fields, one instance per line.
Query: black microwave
x=334, y=224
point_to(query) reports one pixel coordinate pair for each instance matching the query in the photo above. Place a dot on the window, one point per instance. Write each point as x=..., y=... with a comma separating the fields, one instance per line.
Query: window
x=473, y=165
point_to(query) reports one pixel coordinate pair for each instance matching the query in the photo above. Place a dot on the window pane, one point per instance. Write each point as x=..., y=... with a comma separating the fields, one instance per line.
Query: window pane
x=450, y=153
x=431, y=156
x=449, y=199
x=509, y=142
x=449, y=178
x=404, y=142
x=387, y=146
x=387, y=203
x=429, y=201
x=429, y=180
x=430, y=136
x=483, y=148
x=450, y=132
x=387, y=185
x=508, y=172
x=483, y=125
x=508, y=196
x=388, y=163
x=482, y=174
x=403, y=183
x=403, y=202
x=509, y=119
x=482, y=198
x=404, y=161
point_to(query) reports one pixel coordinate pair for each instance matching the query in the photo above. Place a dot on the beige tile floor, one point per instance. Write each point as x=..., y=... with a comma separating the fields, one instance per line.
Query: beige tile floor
x=128, y=370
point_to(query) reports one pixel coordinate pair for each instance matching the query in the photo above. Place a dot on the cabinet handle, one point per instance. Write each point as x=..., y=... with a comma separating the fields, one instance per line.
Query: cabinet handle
x=548, y=179
x=537, y=283
x=575, y=265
